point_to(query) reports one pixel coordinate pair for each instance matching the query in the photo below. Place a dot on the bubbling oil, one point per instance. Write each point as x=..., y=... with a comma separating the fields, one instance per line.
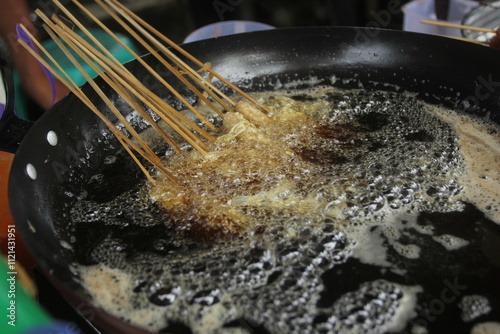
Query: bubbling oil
x=307, y=155
x=322, y=221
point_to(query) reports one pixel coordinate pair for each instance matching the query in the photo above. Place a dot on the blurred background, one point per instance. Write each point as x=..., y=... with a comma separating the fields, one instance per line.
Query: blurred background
x=177, y=18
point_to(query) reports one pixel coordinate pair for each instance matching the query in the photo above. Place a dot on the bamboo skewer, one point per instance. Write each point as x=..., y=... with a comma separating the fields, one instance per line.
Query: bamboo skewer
x=139, y=108
x=122, y=89
x=124, y=140
x=137, y=19
x=71, y=85
x=123, y=69
x=108, y=79
x=457, y=26
x=143, y=63
x=142, y=93
x=144, y=148
x=143, y=101
x=151, y=50
x=213, y=91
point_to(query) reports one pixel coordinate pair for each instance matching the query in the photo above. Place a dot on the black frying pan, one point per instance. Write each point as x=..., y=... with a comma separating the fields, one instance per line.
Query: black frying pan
x=49, y=175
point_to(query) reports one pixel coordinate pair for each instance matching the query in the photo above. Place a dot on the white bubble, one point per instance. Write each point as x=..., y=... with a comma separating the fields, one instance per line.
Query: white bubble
x=473, y=307
x=451, y=242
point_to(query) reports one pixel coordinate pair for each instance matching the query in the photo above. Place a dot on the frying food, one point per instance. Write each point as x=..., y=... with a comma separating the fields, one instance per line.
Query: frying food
x=255, y=163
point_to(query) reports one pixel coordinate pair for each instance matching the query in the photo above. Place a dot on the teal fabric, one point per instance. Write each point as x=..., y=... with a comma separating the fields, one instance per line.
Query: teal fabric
x=117, y=50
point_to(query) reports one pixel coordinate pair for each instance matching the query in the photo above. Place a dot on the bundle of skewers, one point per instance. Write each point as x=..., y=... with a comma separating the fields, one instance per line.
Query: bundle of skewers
x=147, y=104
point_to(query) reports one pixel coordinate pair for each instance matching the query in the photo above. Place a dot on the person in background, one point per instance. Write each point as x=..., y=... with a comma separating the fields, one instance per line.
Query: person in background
x=33, y=80
x=495, y=41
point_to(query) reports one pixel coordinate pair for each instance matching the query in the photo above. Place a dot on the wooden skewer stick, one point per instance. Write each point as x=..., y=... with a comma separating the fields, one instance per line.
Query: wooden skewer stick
x=136, y=106
x=110, y=56
x=144, y=146
x=71, y=85
x=131, y=90
x=131, y=83
x=158, y=34
x=124, y=90
x=128, y=83
x=125, y=13
x=211, y=90
x=193, y=74
x=56, y=31
x=457, y=26
x=155, y=53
